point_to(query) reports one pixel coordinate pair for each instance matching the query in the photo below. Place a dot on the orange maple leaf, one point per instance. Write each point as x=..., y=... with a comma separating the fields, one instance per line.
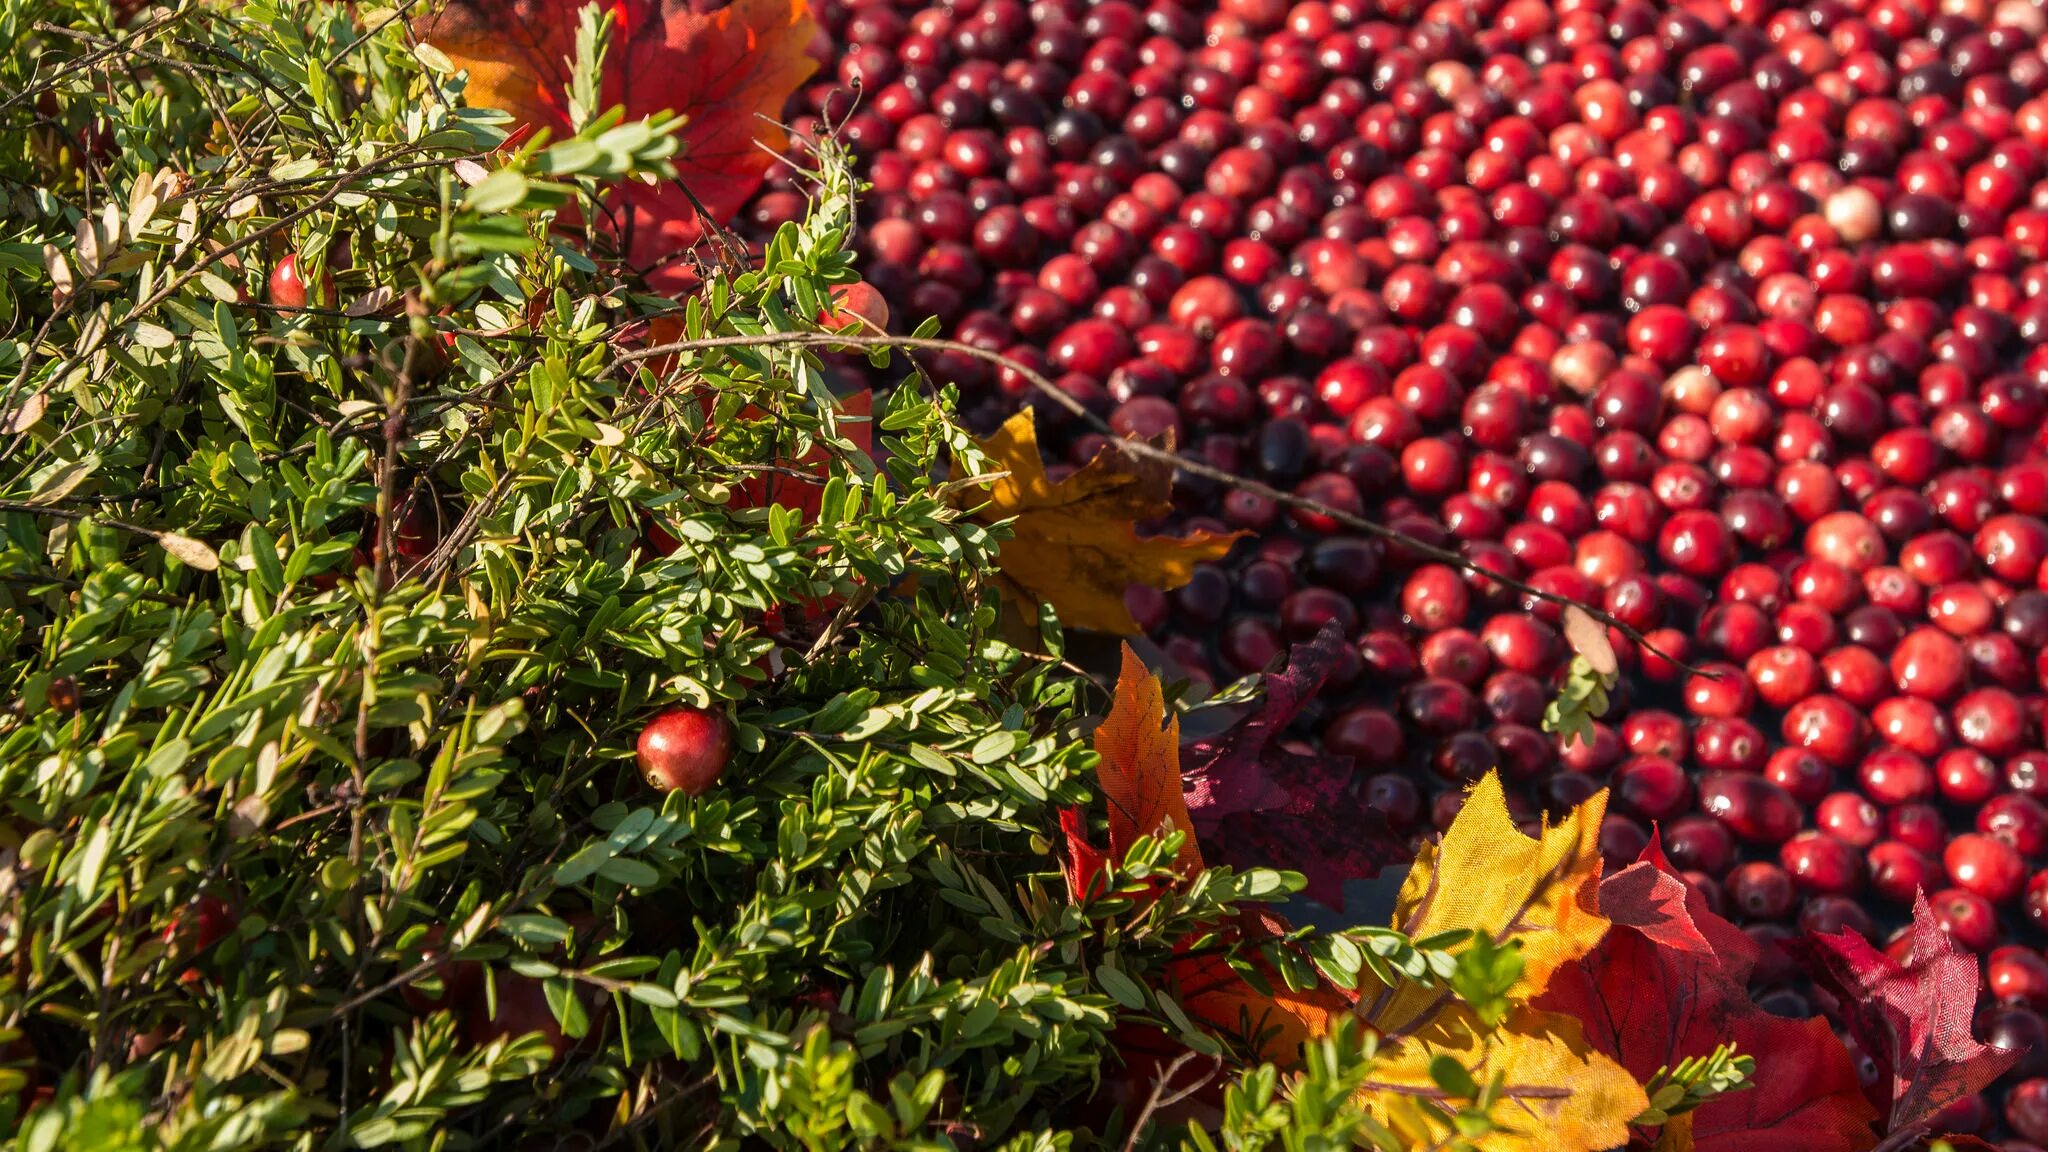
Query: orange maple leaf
x=723, y=70
x=1140, y=768
x=1139, y=775
x=1075, y=544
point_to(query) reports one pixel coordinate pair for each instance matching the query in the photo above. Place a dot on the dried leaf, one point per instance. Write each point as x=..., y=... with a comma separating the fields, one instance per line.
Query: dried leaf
x=1257, y=804
x=27, y=414
x=194, y=553
x=1650, y=1005
x=728, y=71
x=372, y=302
x=1912, y=1018
x=61, y=284
x=1559, y=1094
x=1485, y=876
x=1075, y=544
x=1588, y=637
x=1139, y=772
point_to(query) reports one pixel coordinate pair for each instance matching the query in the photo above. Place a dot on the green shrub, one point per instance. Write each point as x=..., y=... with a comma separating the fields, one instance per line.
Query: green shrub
x=330, y=630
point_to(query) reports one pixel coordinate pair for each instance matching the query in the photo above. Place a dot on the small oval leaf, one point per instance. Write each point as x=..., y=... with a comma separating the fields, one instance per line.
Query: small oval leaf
x=194, y=553
x=27, y=414
x=1588, y=638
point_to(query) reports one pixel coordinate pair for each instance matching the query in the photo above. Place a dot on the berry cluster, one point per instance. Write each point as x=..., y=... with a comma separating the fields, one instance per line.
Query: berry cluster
x=1724, y=316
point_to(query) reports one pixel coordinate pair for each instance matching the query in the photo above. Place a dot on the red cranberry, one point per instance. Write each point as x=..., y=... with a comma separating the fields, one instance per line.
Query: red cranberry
x=1760, y=891
x=1828, y=726
x=1805, y=776
x=1653, y=787
x=1986, y=866
x=2017, y=975
x=1969, y=919
x=1752, y=807
x=1900, y=873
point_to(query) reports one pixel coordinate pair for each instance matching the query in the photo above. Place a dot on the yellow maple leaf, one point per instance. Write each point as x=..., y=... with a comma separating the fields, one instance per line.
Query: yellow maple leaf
x=1075, y=544
x=1139, y=770
x=1558, y=1094
x=1486, y=876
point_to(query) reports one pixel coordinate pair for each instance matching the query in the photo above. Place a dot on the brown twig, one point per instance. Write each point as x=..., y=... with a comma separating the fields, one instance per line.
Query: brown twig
x=1145, y=451
x=1160, y=1098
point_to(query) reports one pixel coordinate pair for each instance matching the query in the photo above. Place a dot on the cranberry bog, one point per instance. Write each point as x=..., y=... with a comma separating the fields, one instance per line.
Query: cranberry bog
x=1723, y=317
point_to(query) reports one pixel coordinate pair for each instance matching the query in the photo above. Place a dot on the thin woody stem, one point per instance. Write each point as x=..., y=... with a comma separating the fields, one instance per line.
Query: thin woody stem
x=1144, y=451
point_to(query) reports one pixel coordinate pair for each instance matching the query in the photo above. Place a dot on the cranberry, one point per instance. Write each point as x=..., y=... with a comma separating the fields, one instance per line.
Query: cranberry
x=1900, y=873
x=1850, y=818
x=2017, y=975
x=1826, y=725
x=1653, y=787
x=1985, y=865
x=1822, y=864
x=1969, y=919
x=1752, y=807
x=1805, y=776
x=1760, y=891
x=1991, y=720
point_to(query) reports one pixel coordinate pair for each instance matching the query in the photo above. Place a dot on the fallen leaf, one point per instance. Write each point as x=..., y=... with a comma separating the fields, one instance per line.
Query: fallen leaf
x=1912, y=1018
x=1649, y=1005
x=729, y=71
x=1217, y=999
x=1274, y=1025
x=1257, y=804
x=1075, y=544
x=1650, y=900
x=1139, y=771
x=1242, y=769
x=1559, y=1094
x=1485, y=876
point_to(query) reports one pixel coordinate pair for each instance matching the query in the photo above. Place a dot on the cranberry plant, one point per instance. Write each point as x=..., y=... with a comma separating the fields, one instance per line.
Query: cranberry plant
x=348, y=545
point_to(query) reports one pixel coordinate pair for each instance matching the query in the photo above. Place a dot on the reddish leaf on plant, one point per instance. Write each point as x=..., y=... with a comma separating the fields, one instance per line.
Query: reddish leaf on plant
x=1259, y=805
x=727, y=71
x=1650, y=1005
x=1085, y=861
x=1912, y=1018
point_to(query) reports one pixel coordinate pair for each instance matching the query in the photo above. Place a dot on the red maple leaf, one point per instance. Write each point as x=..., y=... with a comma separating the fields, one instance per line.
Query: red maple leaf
x=1913, y=1019
x=1650, y=1005
x=1258, y=804
x=727, y=71
x=1651, y=900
